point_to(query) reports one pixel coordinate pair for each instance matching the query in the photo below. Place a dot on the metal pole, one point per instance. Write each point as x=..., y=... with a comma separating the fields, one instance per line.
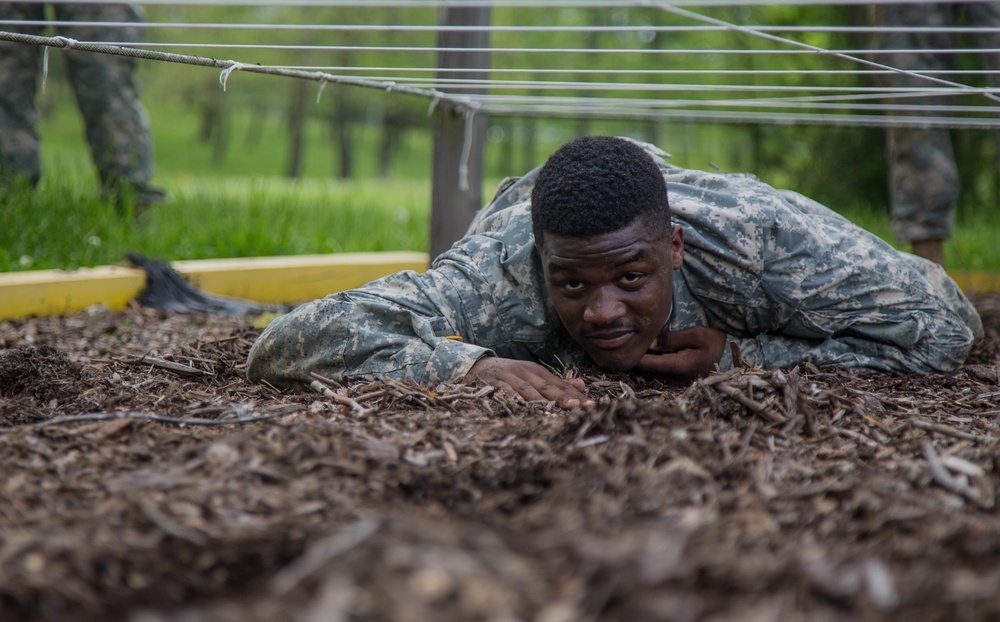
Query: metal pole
x=456, y=191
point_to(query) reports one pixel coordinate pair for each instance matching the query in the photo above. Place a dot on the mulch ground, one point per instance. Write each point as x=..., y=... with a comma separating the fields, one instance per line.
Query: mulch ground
x=144, y=479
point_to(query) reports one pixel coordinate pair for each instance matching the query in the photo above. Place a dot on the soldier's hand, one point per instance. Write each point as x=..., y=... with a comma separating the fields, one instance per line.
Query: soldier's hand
x=530, y=381
x=688, y=353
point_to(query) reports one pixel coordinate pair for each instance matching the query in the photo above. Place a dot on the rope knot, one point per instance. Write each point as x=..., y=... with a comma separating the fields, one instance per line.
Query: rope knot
x=67, y=43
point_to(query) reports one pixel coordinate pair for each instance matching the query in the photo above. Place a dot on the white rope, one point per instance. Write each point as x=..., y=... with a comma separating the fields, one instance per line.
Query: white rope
x=745, y=117
x=493, y=104
x=634, y=72
x=584, y=102
x=667, y=7
x=804, y=50
x=527, y=4
x=530, y=4
x=434, y=28
x=661, y=87
x=458, y=101
x=393, y=3
x=607, y=95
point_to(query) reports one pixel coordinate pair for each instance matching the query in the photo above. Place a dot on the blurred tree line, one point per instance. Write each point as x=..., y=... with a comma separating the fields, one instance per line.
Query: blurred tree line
x=838, y=165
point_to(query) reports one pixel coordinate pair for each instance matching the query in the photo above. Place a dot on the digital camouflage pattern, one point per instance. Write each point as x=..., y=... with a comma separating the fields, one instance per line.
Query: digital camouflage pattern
x=924, y=181
x=116, y=124
x=787, y=279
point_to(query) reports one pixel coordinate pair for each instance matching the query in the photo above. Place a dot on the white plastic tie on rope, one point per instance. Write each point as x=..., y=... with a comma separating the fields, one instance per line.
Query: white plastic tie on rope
x=434, y=103
x=319, y=91
x=224, y=76
x=67, y=43
x=463, y=165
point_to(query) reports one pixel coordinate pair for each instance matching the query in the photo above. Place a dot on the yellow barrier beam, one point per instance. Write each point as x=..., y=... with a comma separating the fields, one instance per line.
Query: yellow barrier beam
x=295, y=278
x=975, y=283
x=275, y=280
x=53, y=292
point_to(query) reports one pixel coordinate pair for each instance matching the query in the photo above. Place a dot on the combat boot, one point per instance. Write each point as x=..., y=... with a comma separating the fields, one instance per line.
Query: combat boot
x=930, y=249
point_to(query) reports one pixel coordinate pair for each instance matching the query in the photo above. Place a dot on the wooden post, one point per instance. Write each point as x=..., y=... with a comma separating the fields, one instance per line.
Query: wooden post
x=456, y=194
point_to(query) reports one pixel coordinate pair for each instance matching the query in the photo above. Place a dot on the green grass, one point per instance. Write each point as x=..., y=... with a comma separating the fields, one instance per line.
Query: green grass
x=972, y=247
x=257, y=144
x=65, y=224
x=241, y=206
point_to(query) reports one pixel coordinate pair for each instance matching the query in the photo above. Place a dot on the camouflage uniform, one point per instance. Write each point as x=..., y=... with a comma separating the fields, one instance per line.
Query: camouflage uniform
x=787, y=279
x=924, y=181
x=116, y=124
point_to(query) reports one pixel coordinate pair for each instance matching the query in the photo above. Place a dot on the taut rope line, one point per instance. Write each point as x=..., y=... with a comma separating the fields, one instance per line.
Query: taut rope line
x=457, y=102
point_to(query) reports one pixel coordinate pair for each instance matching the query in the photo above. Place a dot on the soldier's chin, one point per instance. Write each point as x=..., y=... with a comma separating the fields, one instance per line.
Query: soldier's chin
x=615, y=363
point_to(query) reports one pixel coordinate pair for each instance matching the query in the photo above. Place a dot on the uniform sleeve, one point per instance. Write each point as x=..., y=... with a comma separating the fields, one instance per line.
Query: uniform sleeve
x=405, y=326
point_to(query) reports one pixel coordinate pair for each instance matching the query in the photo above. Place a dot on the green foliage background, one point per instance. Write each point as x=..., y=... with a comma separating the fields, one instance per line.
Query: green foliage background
x=226, y=157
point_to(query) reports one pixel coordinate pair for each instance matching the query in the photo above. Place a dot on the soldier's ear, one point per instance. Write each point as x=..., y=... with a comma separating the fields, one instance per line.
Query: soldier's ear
x=676, y=246
x=539, y=242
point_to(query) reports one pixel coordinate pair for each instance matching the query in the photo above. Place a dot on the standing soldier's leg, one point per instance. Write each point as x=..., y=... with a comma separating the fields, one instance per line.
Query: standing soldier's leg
x=19, y=64
x=924, y=189
x=116, y=124
x=924, y=181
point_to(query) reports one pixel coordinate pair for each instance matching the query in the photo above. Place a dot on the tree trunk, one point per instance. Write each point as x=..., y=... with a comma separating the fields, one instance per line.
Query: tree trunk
x=341, y=126
x=392, y=127
x=529, y=144
x=298, y=113
x=215, y=125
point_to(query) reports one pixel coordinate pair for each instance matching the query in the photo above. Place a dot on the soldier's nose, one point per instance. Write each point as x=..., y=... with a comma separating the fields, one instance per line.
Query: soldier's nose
x=603, y=308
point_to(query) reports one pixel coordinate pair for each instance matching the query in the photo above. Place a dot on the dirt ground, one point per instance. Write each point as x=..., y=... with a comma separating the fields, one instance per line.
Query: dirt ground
x=144, y=479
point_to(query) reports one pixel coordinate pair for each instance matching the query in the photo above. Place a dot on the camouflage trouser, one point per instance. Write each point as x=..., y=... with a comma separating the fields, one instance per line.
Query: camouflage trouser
x=116, y=124
x=924, y=180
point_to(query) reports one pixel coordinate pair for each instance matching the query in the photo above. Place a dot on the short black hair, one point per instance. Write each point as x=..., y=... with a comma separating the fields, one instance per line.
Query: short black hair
x=596, y=185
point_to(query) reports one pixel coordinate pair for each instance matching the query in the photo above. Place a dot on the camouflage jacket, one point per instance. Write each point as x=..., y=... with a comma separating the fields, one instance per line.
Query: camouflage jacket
x=786, y=278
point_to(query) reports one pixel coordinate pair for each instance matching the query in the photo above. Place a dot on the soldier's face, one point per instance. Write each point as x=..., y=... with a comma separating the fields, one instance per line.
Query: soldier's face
x=613, y=292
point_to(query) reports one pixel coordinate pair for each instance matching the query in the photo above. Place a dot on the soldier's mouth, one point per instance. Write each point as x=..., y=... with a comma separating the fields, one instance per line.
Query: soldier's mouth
x=610, y=340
